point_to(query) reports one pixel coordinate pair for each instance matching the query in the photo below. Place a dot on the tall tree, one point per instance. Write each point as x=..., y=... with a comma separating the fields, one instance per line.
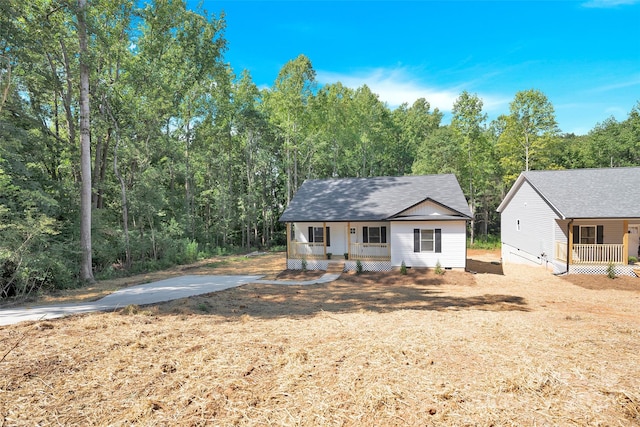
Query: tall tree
x=467, y=121
x=86, y=267
x=529, y=127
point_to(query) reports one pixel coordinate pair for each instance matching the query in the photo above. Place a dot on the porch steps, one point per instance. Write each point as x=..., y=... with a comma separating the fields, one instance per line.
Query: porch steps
x=637, y=271
x=335, y=267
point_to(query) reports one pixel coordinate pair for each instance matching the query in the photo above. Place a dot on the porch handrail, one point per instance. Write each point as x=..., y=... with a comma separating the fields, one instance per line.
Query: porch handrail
x=369, y=251
x=598, y=253
x=583, y=253
x=307, y=249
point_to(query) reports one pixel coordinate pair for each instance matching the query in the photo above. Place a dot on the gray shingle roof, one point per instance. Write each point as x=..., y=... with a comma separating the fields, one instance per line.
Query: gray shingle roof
x=372, y=199
x=590, y=193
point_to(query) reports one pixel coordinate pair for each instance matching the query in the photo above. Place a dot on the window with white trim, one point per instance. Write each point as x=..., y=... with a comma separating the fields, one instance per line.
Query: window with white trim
x=588, y=234
x=427, y=240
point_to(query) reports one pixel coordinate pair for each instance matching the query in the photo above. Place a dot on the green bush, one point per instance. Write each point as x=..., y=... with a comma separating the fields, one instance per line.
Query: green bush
x=439, y=270
x=359, y=267
x=403, y=268
x=611, y=271
x=633, y=260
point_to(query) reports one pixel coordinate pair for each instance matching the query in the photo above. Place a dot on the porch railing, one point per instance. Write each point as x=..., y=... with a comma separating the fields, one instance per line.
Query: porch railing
x=370, y=251
x=307, y=250
x=592, y=253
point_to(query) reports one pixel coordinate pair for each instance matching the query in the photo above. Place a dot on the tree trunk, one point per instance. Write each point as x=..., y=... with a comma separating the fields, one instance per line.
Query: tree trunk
x=86, y=270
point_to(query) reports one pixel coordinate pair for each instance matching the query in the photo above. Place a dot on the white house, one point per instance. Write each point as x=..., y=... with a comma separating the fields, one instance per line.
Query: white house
x=575, y=221
x=381, y=222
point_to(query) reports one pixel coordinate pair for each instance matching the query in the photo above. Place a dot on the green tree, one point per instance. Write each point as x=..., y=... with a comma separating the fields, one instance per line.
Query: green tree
x=529, y=127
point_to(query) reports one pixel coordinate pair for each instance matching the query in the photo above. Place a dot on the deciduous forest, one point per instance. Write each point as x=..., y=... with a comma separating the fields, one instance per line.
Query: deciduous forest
x=128, y=144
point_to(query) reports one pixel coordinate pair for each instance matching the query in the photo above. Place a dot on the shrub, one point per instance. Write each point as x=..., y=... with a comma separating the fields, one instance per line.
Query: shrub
x=346, y=255
x=329, y=255
x=439, y=269
x=611, y=271
x=403, y=268
x=304, y=264
x=633, y=260
x=359, y=267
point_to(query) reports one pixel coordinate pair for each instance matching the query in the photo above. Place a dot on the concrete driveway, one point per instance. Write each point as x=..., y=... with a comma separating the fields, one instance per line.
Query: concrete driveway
x=149, y=293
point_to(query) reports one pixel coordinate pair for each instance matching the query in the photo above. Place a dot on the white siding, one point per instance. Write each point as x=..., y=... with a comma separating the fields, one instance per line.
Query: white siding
x=427, y=208
x=338, y=235
x=533, y=242
x=454, y=244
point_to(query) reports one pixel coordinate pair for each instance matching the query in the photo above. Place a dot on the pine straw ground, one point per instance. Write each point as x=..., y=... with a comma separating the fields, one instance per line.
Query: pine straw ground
x=488, y=349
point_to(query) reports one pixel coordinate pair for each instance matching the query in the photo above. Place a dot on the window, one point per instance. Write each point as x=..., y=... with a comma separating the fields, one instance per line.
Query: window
x=427, y=240
x=352, y=230
x=374, y=234
x=317, y=236
x=588, y=234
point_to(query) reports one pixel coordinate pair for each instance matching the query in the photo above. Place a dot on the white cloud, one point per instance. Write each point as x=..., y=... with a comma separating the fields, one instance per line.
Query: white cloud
x=397, y=85
x=608, y=3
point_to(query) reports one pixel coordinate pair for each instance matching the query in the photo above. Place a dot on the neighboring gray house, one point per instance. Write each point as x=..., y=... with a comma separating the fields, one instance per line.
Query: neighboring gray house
x=380, y=221
x=575, y=221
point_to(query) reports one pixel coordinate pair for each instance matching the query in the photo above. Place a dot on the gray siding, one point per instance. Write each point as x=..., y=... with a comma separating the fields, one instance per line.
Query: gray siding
x=533, y=242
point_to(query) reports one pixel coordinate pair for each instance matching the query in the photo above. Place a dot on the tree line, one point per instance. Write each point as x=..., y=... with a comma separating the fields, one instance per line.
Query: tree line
x=129, y=144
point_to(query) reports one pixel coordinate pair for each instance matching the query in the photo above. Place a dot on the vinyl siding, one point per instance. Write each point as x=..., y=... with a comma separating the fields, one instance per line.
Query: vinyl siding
x=534, y=241
x=428, y=208
x=338, y=237
x=454, y=243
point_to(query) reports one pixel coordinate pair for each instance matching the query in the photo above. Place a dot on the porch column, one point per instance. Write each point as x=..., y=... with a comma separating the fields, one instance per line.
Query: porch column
x=349, y=239
x=570, y=244
x=324, y=238
x=288, y=225
x=625, y=241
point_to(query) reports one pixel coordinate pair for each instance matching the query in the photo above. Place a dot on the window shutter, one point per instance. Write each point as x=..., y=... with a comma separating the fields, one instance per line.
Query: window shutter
x=365, y=234
x=576, y=234
x=600, y=234
x=328, y=236
x=310, y=234
x=416, y=240
x=438, y=238
x=383, y=234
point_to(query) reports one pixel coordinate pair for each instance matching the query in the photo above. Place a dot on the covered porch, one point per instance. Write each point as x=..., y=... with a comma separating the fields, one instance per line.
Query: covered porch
x=356, y=251
x=366, y=241
x=590, y=248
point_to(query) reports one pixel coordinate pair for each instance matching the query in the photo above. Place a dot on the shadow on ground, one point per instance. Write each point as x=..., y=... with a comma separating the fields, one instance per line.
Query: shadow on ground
x=367, y=292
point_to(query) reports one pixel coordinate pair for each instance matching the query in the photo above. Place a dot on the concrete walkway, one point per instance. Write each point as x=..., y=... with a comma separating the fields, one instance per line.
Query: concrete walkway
x=149, y=293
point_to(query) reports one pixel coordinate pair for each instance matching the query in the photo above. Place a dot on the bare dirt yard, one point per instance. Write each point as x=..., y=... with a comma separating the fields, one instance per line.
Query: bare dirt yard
x=506, y=346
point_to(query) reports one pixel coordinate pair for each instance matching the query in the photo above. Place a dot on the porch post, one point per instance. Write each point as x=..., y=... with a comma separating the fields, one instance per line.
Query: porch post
x=570, y=244
x=349, y=239
x=288, y=225
x=625, y=241
x=324, y=238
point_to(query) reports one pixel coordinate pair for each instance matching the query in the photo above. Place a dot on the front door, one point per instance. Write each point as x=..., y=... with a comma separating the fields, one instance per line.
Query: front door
x=634, y=240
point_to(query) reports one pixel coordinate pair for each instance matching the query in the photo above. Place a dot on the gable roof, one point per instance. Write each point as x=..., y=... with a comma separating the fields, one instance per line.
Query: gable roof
x=585, y=193
x=372, y=199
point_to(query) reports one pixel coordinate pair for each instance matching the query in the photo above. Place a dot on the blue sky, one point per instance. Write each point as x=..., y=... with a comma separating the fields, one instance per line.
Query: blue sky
x=584, y=55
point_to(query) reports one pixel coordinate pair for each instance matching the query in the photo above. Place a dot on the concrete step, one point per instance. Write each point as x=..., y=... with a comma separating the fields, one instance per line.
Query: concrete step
x=336, y=267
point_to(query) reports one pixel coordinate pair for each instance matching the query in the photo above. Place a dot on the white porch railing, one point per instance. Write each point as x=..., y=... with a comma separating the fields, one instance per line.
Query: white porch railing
x=592, y=253
x=364, y=251
x=307, y=250
x=561, y=251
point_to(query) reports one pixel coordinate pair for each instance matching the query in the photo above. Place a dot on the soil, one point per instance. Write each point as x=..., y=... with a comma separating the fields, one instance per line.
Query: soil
x=502, y=345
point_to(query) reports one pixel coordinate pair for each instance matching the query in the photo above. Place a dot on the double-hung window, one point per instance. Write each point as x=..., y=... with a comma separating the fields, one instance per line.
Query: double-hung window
x=316, y=235
x=374, y=234
x=588, y=234
x=427, y=240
